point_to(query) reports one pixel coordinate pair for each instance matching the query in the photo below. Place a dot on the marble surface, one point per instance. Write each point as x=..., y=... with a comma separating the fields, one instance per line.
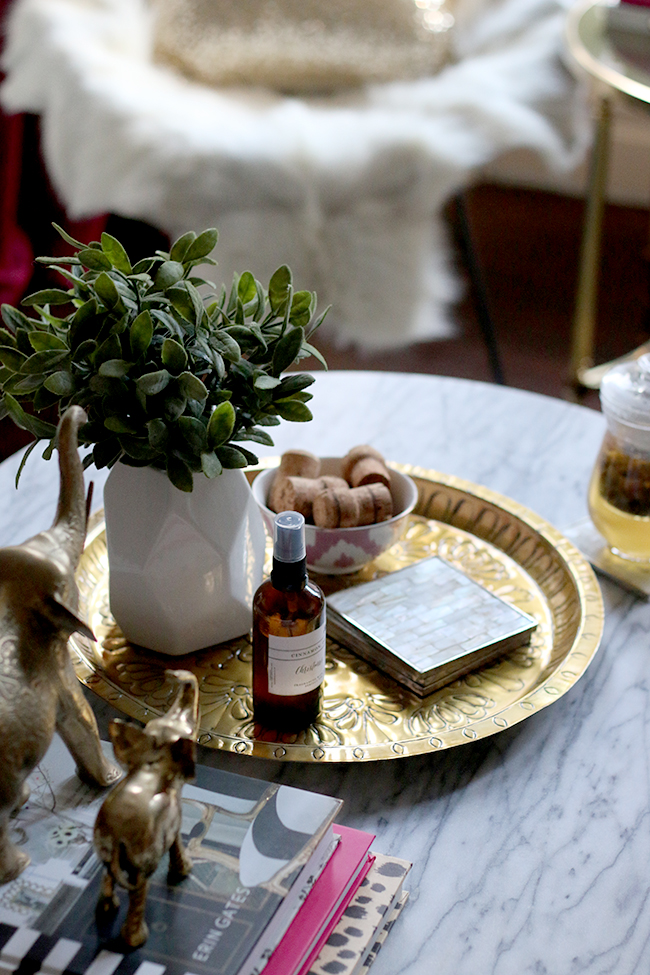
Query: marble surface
x=531, y=848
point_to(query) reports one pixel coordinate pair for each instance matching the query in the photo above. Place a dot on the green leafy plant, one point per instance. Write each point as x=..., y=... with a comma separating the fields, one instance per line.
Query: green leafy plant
x=170, y=376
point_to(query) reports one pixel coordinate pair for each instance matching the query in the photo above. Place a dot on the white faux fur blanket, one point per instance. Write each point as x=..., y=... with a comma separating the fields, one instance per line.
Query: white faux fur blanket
x=348, y=192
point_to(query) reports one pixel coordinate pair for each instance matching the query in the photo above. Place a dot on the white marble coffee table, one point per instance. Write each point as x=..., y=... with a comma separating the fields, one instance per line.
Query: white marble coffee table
x=530, y=848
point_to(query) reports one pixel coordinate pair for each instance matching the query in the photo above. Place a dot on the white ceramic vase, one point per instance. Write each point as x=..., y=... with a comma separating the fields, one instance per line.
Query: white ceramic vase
x=183, y=567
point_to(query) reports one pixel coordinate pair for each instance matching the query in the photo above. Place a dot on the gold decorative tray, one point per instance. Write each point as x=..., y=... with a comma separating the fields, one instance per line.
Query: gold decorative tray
x=365, y=715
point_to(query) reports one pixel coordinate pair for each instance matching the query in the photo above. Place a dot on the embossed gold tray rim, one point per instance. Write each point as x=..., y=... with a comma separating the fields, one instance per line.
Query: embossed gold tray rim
x=543, y=556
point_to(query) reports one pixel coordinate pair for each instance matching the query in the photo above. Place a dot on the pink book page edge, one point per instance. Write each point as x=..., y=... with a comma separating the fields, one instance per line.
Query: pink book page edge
x=315, y=952
x=344, y=870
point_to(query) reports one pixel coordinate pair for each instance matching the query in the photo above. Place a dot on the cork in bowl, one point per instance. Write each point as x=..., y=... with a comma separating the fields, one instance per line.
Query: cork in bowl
x=335, y=551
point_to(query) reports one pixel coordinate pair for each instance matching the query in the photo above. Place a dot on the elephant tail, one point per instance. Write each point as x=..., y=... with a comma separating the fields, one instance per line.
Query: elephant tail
x=71, y=515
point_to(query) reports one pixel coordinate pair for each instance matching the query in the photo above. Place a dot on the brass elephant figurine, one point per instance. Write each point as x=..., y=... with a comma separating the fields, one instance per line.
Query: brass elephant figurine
x=38, y=688
x=140, y=819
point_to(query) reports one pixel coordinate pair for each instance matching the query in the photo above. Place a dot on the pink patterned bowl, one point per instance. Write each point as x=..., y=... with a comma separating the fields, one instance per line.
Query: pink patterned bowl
x=335, y=551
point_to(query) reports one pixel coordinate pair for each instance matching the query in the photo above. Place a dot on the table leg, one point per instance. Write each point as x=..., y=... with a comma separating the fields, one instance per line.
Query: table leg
x=584, y=319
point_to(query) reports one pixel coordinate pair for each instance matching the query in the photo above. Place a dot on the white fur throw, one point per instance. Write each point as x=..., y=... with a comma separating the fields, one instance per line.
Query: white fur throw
x=347, y=191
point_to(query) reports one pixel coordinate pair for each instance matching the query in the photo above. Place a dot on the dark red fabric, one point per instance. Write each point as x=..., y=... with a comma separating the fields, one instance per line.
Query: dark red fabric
x=16, y=250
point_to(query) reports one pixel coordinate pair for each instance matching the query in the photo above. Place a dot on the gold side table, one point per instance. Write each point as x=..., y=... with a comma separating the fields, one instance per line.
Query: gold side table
x=591, y=47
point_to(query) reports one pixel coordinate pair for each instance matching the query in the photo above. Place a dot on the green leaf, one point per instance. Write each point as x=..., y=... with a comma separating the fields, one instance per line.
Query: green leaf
x=49, y=296
x=251, y=458
x=280, y=289
x=197, y=301
x=116, y=254
x=143, y=267
x=24, y=386
x=49, y=450
x=290, y=409
x=180, y=246
x=246, y=288
x=204, y=244
x=168, y=321
x=107, y=452
x=40, y=341
x=42, y=362
x=94, y=260
x=221, y=424
x=259, y=436
x=105, y=288
x=116, y=368
x=311, y=350
x=81, y=288
x=169, y=273
x=85, y=323
x=66, y=236
x=13, y=319
x=174, y=406
x=117, y=424
x=192, y=387
x=43, y=398
x=266, y=382
x=301, y=308
x=60, y=383
x=158, y=434
x=231, y=457
x=141, y=334
x=110, y=349
x=85, y=351
x=211, y=465
x=174, y=356
x=12, y=359
x=106, y=386
x=193, y=433
x=226, y=345
x=137, y=449
x=179, y=474
x=182, y=303
x=39, y=428
x=57, y=261
x=286, y=350
x=295, y=382
x=152, y=383
x=24, y=460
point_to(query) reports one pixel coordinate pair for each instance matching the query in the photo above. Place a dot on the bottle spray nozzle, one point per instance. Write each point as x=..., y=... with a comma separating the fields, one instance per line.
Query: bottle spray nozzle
x=289, y=537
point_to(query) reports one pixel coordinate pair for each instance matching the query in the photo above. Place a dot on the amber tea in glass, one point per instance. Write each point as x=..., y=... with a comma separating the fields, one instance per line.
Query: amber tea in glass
x=619, y=491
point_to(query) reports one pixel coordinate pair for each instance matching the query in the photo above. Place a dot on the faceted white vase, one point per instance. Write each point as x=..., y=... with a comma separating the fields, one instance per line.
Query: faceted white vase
x=183, y=567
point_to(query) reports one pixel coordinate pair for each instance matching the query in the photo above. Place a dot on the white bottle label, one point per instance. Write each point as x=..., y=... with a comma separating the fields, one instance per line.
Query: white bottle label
x=297, y=663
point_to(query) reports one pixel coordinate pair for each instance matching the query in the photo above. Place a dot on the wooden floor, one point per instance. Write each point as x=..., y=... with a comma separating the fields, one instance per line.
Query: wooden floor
x=527, y=243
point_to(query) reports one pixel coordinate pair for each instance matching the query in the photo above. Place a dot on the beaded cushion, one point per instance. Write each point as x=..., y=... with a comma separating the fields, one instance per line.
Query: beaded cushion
x=302, y=47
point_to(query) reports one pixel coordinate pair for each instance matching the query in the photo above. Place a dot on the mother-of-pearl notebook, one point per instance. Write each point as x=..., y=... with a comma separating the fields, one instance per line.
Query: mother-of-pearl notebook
x=426, y=625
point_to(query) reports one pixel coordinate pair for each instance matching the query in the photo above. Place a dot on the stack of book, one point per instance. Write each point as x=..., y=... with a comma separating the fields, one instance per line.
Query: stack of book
x=276, y=885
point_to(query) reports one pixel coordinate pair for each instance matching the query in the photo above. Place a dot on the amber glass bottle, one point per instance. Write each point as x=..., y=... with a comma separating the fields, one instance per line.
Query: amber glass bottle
x=288, y=634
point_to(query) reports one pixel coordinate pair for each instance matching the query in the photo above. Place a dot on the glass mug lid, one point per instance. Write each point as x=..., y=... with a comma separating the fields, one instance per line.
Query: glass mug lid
x=625, y=392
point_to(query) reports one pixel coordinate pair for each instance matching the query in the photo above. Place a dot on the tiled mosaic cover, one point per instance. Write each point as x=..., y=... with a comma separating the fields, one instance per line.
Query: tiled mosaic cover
x=426, y=624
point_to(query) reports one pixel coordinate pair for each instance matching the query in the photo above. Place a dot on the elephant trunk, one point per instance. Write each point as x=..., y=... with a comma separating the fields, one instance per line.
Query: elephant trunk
x=69, y=526
x=182, y=718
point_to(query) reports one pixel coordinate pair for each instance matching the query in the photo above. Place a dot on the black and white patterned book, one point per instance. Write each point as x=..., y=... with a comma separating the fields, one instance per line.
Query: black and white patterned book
x=257, y=849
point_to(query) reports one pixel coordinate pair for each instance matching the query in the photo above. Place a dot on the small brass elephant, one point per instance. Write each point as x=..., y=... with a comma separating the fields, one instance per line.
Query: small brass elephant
x=38, y=688
x=140, y=819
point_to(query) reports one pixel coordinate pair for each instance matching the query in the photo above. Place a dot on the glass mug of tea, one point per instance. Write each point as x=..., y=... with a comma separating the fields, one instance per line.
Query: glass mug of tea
x=619, y=492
